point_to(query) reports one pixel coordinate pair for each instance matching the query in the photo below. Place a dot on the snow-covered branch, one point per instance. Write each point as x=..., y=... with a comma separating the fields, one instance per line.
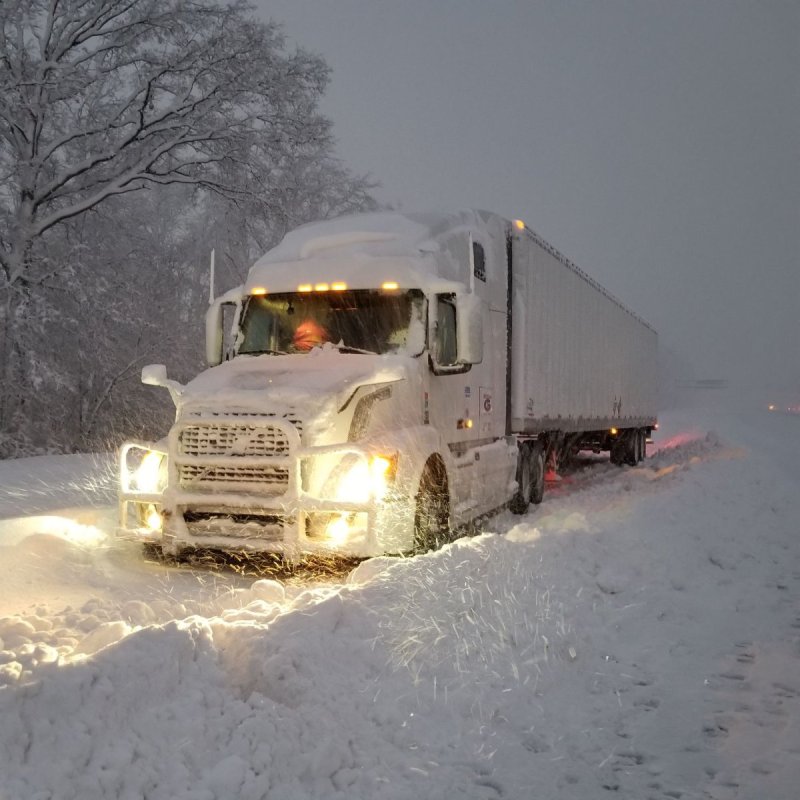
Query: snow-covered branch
x=101, y=96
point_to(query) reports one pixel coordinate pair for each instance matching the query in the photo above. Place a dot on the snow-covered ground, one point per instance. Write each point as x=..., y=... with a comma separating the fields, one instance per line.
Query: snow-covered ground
x=637, y=635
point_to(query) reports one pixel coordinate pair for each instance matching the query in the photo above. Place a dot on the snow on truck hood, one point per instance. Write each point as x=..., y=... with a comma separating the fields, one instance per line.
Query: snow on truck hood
x=309, y=381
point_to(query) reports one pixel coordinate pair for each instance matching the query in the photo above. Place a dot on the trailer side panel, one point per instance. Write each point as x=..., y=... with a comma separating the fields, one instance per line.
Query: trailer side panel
x=580, y=360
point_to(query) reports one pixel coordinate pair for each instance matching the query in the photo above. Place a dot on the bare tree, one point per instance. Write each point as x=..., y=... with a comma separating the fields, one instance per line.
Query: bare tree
x=101, y=98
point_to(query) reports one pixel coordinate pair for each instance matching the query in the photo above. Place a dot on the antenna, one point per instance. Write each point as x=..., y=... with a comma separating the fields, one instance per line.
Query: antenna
x=211, y=280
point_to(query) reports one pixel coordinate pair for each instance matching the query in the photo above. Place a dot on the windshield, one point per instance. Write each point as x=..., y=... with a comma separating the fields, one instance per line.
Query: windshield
x=360, y=321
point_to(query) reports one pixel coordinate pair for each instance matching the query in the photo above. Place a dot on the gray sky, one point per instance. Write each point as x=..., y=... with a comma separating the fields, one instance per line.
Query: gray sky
x=657, y=144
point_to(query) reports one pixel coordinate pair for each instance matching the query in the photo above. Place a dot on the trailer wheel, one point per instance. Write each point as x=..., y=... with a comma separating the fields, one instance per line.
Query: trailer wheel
x=432, y=515
x=624, y=450
x=537, y=475
x=642, y=444
x=631, y=448
x=522, y=498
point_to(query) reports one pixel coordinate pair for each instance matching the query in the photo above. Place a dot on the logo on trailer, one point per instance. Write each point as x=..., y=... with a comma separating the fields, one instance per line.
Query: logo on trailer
x=486, y=404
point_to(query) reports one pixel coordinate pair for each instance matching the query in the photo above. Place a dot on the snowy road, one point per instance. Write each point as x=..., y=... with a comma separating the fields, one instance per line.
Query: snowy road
x=638, y=636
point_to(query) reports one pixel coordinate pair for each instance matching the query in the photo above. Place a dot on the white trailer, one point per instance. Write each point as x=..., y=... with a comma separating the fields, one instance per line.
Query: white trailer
x=385, y=380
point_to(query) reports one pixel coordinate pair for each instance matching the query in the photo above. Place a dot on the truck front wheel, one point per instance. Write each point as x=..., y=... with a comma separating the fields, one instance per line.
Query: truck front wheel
x=432, y=515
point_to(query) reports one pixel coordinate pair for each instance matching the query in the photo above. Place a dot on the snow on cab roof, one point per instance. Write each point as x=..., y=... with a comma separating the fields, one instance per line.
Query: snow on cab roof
x=375, y=234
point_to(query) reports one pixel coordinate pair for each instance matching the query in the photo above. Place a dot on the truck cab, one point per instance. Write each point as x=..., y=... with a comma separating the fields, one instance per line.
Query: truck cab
x=355, y=402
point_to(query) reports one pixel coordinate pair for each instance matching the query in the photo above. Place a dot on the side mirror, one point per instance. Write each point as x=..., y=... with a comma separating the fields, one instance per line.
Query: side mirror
x=469, y=327
x=214, y=333
x=154, y=375
x=217, y=320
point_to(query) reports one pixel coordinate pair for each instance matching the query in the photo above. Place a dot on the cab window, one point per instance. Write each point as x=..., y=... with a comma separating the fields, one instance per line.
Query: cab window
x=446, y=342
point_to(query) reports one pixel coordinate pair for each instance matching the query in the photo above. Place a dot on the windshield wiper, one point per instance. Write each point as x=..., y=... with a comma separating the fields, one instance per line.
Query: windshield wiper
x=345, y=348
x=263, y=352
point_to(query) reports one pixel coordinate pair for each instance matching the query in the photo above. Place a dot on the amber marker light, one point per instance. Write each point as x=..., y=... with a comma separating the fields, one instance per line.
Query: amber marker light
x=258, y=291
x=390, y=286
x=321, y=287
x=305, y=287
x=519, y=224
x=614, y=431
x=339, y=286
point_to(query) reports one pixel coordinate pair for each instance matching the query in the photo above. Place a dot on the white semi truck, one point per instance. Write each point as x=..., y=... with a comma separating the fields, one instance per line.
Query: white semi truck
x=384, y=379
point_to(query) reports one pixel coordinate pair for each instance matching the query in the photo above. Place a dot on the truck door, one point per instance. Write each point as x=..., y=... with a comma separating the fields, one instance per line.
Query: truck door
x=453, y=409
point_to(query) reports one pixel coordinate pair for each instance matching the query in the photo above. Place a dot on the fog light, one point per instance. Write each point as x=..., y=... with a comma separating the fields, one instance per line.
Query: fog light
x=338, y=530
x=153, y=518
x=148, y=517
x=346, y=529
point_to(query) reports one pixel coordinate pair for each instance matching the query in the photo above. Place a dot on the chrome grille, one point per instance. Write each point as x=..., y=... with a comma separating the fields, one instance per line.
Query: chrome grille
x=267, y=478
x=233, y=440
x=225, y=439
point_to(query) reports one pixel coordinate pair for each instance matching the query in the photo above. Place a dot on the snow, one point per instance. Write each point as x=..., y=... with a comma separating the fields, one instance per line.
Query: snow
x=388, y=234
x=637, y=635
x=364, y=250
x=324, y=373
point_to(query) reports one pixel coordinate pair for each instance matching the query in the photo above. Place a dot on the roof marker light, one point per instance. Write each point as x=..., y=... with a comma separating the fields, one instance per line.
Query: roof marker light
x=338, y=286
x=321, y=287
x=390, y=286
x=519, y=224
x=614, y=431
x=304, y=287
x=258, y=290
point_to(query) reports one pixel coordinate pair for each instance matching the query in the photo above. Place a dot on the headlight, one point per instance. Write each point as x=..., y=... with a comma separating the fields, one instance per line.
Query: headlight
x=142, y=469
x=367, y=480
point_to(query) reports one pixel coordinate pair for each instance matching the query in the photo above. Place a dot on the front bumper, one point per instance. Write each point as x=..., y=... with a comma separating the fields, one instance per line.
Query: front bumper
x=292, y=522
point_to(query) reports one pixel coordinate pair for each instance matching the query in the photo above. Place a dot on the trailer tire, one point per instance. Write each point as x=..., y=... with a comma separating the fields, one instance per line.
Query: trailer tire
x=631, y=448
x=432, y=514
x=642, y=444
x=522, y=497
x=537, y=472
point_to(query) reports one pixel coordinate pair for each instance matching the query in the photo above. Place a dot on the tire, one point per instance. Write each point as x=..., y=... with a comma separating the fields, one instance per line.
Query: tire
x=522, y=498
x=642, y=444
x=537, y=475
x=432, y=514
x=624, y=449
x=631, y=448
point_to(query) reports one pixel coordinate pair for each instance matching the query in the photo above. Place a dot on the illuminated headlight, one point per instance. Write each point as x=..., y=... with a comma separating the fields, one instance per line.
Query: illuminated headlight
x=143, y=470
x=365, y=481
x=148, y=477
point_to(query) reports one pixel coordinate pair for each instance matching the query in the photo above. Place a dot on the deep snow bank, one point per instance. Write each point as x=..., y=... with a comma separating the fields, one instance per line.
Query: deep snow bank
x=639, y=634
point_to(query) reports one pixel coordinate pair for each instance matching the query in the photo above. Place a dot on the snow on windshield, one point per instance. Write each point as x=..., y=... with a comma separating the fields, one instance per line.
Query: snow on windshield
x=363, y=321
